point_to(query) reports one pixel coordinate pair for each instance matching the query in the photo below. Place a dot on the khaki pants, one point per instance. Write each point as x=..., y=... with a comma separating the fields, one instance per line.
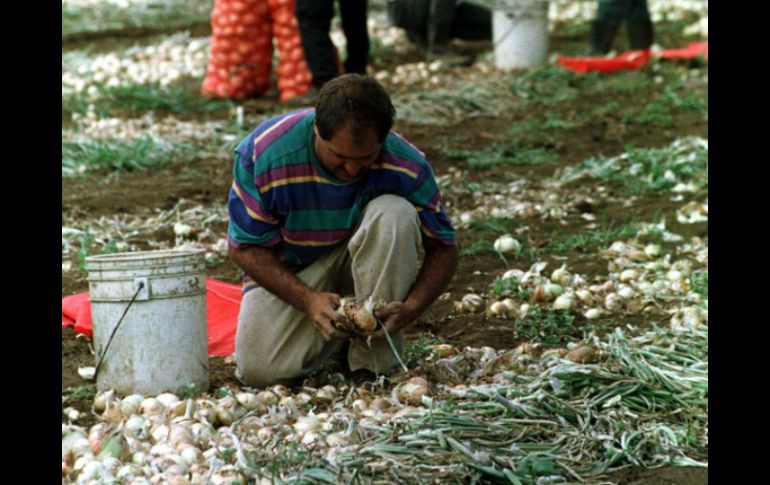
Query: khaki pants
x=275, y=342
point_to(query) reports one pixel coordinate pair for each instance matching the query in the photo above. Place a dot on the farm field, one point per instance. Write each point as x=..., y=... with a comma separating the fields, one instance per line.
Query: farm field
x=579, y=355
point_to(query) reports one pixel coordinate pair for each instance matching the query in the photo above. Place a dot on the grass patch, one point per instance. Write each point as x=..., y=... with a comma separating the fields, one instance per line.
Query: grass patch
x=481, y=246
x=497, y=155
x=87, y=241
x=104, y=17
x=574, y=29
x=657, y=112
x=171, y=99
x=415, y=351
x=190, y=391
x=547, y=326
x=592, y=238
x=482, y=187
x=444, y=107
x=553, y=84
x=152, y=97
x=83, y=393
x=531, y=125
x=491, y=228
x=662, y=109
x=496, y=225
x=699, y=281
x=478, y=246
x=607, y=108
x=509, y=287
x=554, y=122
x=624, y=82
x=227, y=454
x=648, y=170
x=146, y=152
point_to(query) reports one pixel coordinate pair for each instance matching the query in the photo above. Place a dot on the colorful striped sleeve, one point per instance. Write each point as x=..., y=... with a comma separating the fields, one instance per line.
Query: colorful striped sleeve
x=403, y=157
x=433, y=219
x=250, y=222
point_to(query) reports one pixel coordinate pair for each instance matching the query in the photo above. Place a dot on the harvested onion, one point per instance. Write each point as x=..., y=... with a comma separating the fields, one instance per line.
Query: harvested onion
x=361, y=316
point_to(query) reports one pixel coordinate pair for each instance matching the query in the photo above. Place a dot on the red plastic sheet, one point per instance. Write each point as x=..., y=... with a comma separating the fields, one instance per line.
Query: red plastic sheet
x=223, y=300
x=627, y=60
x=691, y=51
x=631, y=59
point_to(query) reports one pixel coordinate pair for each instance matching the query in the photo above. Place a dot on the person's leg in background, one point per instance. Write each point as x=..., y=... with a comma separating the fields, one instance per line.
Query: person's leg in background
x=639, y=26
x=314, y=18
x=412, y=16
x=610, y=14
x=441, y=13
x=353, y=13
x=471, y=22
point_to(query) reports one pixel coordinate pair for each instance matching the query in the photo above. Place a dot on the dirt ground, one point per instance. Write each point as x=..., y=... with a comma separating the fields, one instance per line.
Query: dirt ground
x=207, y=180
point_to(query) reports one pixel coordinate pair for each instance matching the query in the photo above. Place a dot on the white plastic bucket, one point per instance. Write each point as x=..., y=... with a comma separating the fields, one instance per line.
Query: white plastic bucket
x=162, y=342
x=520, y=33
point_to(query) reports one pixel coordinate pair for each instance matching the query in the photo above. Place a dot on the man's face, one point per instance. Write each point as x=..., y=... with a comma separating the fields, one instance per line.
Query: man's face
x=342, y=157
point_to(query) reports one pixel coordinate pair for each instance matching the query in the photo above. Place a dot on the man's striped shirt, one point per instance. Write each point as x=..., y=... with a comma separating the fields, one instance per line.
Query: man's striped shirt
x=283, y=198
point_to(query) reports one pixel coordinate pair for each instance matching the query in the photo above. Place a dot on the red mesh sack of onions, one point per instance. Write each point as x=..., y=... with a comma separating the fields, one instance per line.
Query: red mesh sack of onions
x=294, y=77
x=241, y=53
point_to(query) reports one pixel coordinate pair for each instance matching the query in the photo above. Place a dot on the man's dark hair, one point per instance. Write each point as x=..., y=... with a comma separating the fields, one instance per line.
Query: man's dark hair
x=356, y=99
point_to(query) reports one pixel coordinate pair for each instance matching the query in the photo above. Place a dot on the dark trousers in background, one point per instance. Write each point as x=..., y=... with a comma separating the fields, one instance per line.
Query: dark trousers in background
x=611, y=14
x=433, y=23
x=314, y=18
x=472, y=22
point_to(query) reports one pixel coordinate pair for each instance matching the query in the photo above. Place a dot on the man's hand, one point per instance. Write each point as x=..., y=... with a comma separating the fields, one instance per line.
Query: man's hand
x=437, y=270
x=322, y=309
x=264, y=268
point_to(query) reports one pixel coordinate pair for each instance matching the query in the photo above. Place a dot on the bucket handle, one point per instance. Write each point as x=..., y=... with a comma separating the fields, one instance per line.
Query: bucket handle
x=140, y=284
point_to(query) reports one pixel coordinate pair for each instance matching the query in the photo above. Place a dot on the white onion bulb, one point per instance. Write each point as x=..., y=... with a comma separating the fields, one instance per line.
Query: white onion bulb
x=469, y=303
x=584, y=296
x=613, y=301
x=151, y=406
x=652, y=250
x=563, y=302
x=515, y=274
x=628, y=275
x=561, y=276
x=167, y=399
x=131, y=404
x=307, y=423
x=507, y=244
x=248, y=400
x=592, y=313
x=412, y=391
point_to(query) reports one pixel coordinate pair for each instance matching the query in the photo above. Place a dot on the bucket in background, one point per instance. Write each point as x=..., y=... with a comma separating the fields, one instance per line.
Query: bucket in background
x=520, y=33
x=162, y=342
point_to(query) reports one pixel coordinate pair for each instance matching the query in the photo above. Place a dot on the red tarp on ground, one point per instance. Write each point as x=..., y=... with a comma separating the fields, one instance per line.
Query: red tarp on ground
x=691, y=51
x=631, y=59
x=223, y=300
